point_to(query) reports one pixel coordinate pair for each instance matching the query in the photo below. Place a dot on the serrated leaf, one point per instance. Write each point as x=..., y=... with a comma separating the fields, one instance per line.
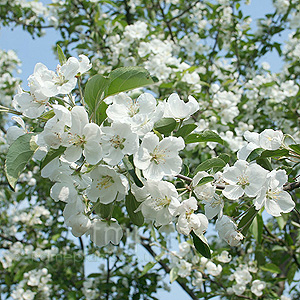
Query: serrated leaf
x=295, y=148
x=128, y=78
x=274, y=153
x=147, y=267
x=132, y=204
x=52, y=154
x=185, y=130
x=94, y=91
x=165, y=125
x=205, y=136
x=201, y=245
x=209, y=164
x=61, y=57
x=271, y=268
x=174, y=274
x=247, y=219
x=19, y=154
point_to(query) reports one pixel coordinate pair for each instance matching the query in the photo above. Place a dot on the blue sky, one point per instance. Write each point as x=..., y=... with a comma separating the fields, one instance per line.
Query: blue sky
x=32, y=51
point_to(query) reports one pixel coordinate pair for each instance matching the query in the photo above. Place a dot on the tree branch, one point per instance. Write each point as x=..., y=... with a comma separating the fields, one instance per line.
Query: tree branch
x=167, y=269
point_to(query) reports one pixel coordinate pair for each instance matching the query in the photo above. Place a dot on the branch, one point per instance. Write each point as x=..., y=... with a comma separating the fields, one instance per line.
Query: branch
x=289, y=186
x=167, y=269
x=167, y=22
x=184, y=11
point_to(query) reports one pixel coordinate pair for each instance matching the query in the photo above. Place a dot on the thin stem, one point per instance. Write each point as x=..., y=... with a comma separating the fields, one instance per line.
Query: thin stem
x=71, y=100
x=80, y=90
x=107, y=278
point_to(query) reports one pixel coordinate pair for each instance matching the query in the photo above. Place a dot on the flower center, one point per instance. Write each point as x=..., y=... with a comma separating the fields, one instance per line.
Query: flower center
x=273, y=195
x=105, y=182
x=243, y=180
x=160, y=203
x=60, y=79
x=76, y=139
x=133, y=109
x=158, y=156
x=117, y=142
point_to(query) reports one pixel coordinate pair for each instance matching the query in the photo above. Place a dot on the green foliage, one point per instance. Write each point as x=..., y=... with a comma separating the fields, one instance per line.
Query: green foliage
x=128, y=78
x=247, y=219
x=132, y=205
x=61, y=57
x=185, y=130
x=18, y=156
x=165, y=126
x=52, y=154
x=210, y=164
x=205, y=136
x=201, y=245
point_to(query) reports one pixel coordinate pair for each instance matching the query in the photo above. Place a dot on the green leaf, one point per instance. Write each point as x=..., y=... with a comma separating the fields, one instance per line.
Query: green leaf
x=185, y=170
x=61, y=57
x=247, y=219
x=19, y=154
x=209, y=164
x=201, y=245
x=185, y=130
x=255, y=154
x=260, y=256
x=52, y=154
x=205, y=136
x=257, y=228
x=104, y=210
x=131, y=171
x=128, y=78
x=281, y=222
x=165, y=125
x=265, y=163
x=271, y=268
x=132, y=204
x=147, y=267
x=205, y=180
x=225, y=157
x=274, y=153
x=295, y=148
x=101, y=113
x=94, y=90
x=174, y=274
x=291, y=273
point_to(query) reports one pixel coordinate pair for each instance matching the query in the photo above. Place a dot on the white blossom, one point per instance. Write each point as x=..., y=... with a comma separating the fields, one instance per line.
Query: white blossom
x=257, y=287
x=159, y=158
x=178, y=109
x=107, y=185
x=273, y=197
x=242, y=178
